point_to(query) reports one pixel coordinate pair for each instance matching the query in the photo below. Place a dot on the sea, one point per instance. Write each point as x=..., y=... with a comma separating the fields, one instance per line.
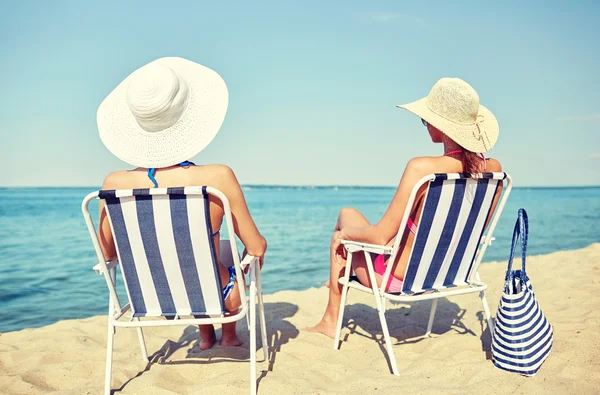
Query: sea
x=46, y=255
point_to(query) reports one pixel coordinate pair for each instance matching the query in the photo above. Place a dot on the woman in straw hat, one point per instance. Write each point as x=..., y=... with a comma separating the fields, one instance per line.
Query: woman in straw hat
x=158, y=118
x=453, y=117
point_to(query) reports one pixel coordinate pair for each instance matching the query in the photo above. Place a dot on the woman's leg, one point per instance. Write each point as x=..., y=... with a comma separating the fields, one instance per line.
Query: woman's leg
x=348, y=217
x=207, y=336
x=233, y=302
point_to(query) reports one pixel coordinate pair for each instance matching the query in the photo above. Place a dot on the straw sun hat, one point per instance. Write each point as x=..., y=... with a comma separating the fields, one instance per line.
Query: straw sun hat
x=452, y=107
x=163, y=113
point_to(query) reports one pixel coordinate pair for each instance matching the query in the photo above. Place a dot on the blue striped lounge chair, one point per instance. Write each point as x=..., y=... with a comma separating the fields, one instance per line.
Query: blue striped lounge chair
x=448, y=247
x=166, y=253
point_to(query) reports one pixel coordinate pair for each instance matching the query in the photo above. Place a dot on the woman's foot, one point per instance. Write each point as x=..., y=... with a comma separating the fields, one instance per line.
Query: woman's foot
x=232, y=341
x=229, y=336
x=208, y=338
x=326, y=326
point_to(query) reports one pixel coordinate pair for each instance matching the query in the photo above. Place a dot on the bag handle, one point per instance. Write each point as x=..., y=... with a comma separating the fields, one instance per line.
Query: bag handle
x=521, y=229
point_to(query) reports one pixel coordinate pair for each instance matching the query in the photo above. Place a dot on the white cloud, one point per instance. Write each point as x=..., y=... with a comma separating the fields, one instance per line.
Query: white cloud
x=594, y=155
x=590, y=117
x=383, y=17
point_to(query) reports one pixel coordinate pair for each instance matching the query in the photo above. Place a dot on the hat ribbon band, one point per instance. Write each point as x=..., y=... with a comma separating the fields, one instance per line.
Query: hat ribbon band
x=481, y=131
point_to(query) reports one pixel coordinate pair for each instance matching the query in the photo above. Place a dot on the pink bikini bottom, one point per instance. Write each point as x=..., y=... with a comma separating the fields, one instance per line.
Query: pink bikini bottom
x=394, y=284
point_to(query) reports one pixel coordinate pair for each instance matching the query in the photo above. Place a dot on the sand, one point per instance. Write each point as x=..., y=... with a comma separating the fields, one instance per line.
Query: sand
x=68, y=357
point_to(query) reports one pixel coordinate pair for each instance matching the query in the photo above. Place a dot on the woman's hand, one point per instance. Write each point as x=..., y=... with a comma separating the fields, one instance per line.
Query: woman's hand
x=261, y=260
x=338, y=251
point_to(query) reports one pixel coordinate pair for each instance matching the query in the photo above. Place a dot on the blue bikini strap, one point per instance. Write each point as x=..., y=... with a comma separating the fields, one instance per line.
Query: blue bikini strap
x=152, y=171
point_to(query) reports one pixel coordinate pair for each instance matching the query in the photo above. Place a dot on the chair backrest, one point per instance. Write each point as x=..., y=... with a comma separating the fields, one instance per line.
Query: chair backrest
x=164, y=243
x=450, y=228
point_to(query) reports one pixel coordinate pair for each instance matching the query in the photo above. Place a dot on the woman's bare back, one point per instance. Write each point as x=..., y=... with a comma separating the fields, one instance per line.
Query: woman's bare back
x=423, y=166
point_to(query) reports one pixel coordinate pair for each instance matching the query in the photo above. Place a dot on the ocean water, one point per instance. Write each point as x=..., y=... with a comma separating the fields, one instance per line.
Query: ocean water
x=46, y=254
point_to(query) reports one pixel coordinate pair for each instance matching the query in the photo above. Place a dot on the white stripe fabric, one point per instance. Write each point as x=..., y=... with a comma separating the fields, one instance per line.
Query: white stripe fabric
x=120, y=193
x=168, y=252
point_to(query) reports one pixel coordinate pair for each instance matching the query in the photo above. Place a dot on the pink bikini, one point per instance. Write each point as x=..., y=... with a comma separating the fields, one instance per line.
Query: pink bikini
x=394, y=283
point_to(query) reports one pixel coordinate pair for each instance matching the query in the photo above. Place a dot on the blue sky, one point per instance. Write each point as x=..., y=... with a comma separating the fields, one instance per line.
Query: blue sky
x=313, y=85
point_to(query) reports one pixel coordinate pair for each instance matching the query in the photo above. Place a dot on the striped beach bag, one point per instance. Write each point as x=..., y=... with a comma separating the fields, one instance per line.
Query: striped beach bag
x=522, y=336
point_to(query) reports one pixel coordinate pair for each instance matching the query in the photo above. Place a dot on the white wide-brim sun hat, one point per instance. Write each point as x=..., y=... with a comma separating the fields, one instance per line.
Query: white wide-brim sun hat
x=163, y=113
x=453, y=108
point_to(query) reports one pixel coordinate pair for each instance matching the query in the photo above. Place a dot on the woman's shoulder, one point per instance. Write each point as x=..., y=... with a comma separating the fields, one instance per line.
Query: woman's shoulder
x=216, y=175
x=424, y=164
x=116, y=179
x=215, y=172
x=493, y=165
x=219, y=169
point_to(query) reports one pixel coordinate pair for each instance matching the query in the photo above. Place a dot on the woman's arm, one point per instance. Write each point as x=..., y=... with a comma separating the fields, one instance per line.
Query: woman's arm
x=243, y=223
x=107, y=243
x=387, y=227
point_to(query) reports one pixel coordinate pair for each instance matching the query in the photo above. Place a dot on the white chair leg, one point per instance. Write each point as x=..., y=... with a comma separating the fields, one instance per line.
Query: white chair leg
x=252, y=330
x=431, y=315
x=142, y=343
x=261, y=311
x=338, y=329
x=388, y=342
x=109, y=351
x=381, y=312
x=486, y=308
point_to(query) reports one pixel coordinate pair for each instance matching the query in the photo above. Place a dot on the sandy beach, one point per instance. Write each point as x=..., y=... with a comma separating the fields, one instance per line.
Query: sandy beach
x=68, y=357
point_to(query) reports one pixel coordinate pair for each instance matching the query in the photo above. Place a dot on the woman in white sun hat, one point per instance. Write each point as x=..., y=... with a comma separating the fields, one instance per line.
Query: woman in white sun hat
x=157, y=119
x=452, y=115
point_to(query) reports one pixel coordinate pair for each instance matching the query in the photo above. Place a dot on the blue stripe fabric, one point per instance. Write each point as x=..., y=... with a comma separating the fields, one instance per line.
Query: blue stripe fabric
x=431, y=203
x=185, y=252
x=125, y=253
x=231, y=283
x=447, y=233
x=467, y=232
x=487, y=215
x=145, y=216
x=107, y=194
x=522, y=337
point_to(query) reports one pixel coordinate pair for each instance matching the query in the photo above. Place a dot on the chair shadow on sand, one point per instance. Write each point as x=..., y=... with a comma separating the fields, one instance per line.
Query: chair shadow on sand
x=408, y=322
x=279, y=333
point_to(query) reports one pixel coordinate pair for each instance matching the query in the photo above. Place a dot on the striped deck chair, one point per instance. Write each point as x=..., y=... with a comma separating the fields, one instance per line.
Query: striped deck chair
x=448, y=247
x=166, y=253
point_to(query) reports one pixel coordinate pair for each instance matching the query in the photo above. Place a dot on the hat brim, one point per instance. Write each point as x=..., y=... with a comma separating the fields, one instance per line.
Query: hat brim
x=199, y=124
x=468, y=136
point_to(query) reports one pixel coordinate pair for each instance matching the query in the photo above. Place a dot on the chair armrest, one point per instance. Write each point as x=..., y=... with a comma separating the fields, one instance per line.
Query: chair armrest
x=353, y=246
x=111, y=264
x=248, y=260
